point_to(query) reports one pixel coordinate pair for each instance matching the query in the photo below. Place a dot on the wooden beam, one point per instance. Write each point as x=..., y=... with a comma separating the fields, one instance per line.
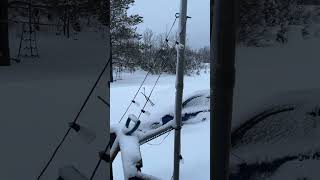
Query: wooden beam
x=222, y=71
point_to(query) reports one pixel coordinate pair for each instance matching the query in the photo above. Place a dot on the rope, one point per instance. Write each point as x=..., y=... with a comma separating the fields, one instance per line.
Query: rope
x=75, y=120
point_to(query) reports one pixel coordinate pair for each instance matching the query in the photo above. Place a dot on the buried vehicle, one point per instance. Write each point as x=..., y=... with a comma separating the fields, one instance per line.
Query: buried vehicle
x=195, y=108
x=278, y=141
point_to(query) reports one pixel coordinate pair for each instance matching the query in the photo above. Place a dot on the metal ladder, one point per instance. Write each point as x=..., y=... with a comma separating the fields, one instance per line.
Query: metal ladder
x=28, y=43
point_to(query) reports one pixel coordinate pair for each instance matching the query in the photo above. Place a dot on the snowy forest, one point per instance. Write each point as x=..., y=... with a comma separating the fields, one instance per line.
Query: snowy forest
x=125, y=111
x=268, y=22
x=130, y=49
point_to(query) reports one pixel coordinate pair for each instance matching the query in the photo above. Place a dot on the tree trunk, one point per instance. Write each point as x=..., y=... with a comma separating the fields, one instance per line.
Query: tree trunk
x=4, y=34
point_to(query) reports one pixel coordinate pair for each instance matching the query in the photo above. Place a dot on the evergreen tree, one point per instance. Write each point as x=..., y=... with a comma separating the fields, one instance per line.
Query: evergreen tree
x=124, y=37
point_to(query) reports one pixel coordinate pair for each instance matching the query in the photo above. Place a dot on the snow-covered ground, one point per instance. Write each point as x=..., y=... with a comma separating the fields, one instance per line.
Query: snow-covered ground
x=39, y=97
x=265, y=78
x=158, y=159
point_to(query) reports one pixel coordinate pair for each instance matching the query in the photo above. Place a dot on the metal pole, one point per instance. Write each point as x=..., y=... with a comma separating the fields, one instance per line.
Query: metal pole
x=4, y=34
x=222, y=70
x=179, y=88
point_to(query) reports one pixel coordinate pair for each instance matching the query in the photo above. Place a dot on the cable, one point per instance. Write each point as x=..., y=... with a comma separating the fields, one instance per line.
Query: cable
x=158, y=53
x=134, y=96
x=174, y=22
x=149, y=95
x=238, y=157
x=162, y=64
x=161, y=141
x=75, y=120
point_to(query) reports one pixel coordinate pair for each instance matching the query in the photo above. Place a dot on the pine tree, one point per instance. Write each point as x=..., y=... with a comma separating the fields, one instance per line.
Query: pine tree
x=124, y=37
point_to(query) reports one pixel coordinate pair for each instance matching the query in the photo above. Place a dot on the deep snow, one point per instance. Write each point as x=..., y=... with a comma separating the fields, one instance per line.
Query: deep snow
x=39, y=97
x=158, y=159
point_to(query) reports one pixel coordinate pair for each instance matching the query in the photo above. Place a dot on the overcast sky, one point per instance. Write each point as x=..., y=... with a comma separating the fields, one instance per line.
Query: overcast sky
x=158, y=16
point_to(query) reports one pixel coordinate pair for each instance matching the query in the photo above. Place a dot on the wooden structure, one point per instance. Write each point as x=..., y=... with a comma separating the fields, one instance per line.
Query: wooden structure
x=222, y=68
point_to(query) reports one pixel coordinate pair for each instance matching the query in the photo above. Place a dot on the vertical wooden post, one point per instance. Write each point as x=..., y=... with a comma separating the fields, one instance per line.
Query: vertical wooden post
x=109, y=78
x=179, y=87
x=4, y=34
x=222, y=84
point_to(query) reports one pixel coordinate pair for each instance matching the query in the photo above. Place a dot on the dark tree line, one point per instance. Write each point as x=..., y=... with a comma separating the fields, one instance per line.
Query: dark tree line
x=157, y=56
x=66, y=15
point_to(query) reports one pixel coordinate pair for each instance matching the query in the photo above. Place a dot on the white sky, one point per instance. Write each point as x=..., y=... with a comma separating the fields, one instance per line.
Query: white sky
x=158, y=15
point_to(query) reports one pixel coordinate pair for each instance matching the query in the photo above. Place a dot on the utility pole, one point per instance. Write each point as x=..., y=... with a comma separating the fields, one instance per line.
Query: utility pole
x=4, y=34
x=179, y=87
x=222, y=85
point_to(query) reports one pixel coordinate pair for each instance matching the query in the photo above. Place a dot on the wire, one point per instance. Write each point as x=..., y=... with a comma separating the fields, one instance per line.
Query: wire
x=162, y=62
x=135, y=96
x=174, y=22
x=161, y=141
x=75, y=120
x=238, y=157
x=150, y=94
x=99, y=161
x=158, y=53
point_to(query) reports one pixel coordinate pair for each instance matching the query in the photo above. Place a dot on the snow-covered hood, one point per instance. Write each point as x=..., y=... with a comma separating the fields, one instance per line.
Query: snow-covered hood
x=285, y=125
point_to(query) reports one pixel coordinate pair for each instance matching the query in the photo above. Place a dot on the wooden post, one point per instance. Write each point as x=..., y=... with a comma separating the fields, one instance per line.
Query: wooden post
x=109, y=53
x=4, y=34
x=222, y=84
x=179, y=88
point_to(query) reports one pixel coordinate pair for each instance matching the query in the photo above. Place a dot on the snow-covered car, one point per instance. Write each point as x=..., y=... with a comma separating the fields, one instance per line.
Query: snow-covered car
x=195, y=108
x=278, y=141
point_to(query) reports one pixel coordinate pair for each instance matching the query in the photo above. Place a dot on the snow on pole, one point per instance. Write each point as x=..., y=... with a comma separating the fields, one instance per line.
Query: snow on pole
x=179, y=88
x=130, y=154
